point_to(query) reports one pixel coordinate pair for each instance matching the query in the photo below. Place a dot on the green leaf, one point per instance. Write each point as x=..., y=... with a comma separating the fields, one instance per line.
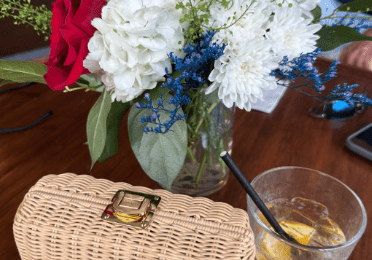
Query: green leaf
x=5, y=82
x=161, y=156
x=96, y=126
x=82, y=81
x=91, y=80
x=22, y=71
x=212, y=97
x=317, y=13
x=355, y=6
x=333, y=36
x=117, y=111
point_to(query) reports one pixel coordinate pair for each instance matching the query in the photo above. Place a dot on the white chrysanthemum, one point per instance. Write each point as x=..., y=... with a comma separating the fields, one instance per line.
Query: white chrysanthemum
x=251, y=26
x=130, y=48
x=220, y=15
x=255, y=13
x=291, y=34
x=241, y=75
x=305, y=5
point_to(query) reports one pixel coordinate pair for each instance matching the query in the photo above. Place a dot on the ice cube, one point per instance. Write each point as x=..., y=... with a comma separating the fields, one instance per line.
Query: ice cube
x=280, y=208
x=298, y=210
x=305, y=220
x=327, y=235
x=311, y=209
x=315, y=214
x=297, y=216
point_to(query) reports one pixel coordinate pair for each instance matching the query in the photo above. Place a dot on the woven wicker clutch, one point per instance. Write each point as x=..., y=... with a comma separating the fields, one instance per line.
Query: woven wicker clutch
x=63, y=217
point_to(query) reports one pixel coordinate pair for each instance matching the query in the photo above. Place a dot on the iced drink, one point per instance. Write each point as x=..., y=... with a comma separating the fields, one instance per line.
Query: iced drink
x=306, y=220
x=325, y=216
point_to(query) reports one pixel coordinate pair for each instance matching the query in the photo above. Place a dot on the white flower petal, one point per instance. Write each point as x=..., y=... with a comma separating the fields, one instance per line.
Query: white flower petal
x=227, y=101
x=290, y=33
x=154, y=44
x=212, y=88
x=123, y=78
x=132, y=5
x=166, y=31
x=248, y=106
x=130, y=48
x=213, y=75
x=246, y=72
x=91, y=65
x=159, y=67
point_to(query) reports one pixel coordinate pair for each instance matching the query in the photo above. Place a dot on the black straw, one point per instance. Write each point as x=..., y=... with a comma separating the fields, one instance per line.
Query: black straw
x=254, y=196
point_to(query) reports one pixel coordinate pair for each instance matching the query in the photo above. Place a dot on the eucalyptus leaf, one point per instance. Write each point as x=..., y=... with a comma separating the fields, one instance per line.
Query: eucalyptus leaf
x=96, y=126
x=333, y=36
x=22, y=71
x=161, y=156
x=355, y=6
x=117, y=111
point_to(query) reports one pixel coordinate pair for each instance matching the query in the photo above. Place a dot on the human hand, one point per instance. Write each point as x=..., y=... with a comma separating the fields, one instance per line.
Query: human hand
x=358, y=54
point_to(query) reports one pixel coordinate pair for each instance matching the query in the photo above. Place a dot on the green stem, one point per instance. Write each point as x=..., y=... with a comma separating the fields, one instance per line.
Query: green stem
x=236, y=20
x=31, y=13
x=191, y=173
x=198, y=174
x=202, y=119
x=191, y=154
x=84, y=87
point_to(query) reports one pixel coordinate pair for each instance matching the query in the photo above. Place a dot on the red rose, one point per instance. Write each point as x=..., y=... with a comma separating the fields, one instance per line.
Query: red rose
x=71, y=32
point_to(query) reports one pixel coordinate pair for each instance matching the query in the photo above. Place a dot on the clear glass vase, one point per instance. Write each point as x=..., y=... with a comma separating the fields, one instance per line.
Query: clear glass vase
x=204, y=172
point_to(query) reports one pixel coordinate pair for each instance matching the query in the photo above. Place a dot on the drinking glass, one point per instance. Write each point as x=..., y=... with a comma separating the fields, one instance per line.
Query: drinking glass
x=344, y=207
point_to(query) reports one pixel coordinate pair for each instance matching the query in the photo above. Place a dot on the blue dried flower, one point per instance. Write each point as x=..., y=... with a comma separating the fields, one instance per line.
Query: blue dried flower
x=302, y=67
x=195, y=67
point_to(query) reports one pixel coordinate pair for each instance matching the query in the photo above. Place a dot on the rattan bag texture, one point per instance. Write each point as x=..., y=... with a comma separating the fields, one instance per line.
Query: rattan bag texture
x=60, y=218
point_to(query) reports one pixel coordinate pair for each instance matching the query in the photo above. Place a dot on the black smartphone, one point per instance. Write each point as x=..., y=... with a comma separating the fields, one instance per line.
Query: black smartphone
x=360, y=142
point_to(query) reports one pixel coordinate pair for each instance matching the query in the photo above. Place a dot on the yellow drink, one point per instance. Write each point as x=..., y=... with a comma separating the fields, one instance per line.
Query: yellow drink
x=307, y=227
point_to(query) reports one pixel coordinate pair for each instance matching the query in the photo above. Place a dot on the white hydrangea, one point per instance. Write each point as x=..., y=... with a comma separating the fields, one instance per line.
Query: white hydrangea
x=291, y=34
x=129, y=50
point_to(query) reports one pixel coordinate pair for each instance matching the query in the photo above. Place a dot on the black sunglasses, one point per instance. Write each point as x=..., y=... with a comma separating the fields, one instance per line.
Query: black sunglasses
x=337, y=110
x=34, y=123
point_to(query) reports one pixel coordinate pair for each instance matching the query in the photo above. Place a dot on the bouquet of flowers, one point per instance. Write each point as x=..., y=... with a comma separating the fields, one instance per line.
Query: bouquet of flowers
x=171, y=62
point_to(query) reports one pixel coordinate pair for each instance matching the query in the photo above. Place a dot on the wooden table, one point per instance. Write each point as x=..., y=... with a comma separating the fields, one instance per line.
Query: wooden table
x=287, y=136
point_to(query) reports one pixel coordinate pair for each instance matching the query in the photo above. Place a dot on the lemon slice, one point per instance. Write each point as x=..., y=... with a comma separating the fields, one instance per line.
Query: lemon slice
x=275, y=249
